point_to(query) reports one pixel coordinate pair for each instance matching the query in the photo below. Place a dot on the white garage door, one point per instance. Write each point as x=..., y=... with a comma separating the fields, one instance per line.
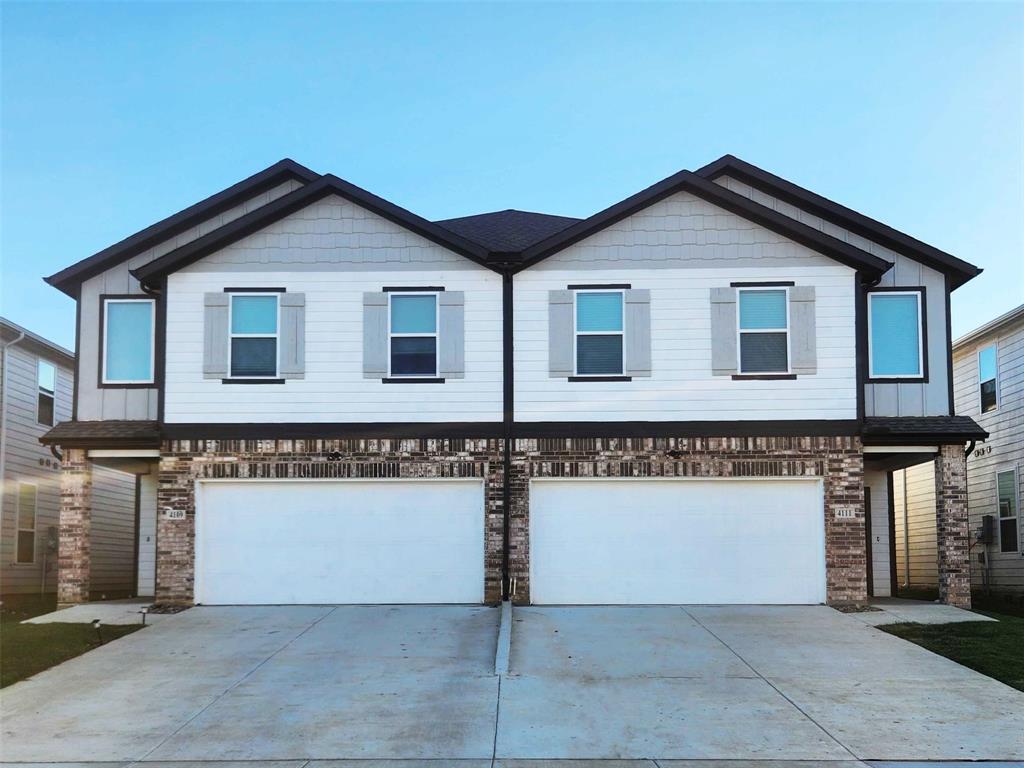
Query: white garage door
x=676, y=541
x=379, y=541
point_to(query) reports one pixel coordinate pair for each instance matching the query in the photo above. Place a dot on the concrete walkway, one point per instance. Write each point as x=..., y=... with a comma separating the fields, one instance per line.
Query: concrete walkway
x=631, y=685
x=894, y=610
x=107, y=611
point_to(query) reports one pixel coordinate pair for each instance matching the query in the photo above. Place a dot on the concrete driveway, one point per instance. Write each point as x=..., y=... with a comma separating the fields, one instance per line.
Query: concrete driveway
x=319, y=683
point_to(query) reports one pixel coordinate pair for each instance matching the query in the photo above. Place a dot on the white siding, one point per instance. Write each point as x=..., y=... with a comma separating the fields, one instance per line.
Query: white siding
x=927, y=399
x=333, y=252
x=95, y=403
x=26, y=460
x=1003, y=451
x=680, y=248
x=878, y=485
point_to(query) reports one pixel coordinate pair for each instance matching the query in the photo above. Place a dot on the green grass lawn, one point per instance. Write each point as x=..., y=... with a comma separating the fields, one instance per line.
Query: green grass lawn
x=26, y=649
x=994, y=649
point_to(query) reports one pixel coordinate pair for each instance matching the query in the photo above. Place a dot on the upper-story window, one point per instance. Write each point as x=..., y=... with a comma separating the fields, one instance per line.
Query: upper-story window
x=46, y=382
x=895, y=335
x=254, y=335
x=412, y=334
x=763, y=330
x=127, y=356
x=1006, y=494
x=599, y=333
x=988, y=371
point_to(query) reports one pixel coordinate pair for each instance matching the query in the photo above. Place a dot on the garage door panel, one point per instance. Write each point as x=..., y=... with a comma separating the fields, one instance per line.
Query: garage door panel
x=676, y=541
x=340, y=542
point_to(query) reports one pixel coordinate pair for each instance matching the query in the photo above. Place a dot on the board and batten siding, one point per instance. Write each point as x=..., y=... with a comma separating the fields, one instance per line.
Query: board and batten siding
x=1003, y=451
x=916, y=536
x=26, y=460
x=911, y=399
x=680, y=248
x=100, y=403
x=334, y=251
x=877, y=484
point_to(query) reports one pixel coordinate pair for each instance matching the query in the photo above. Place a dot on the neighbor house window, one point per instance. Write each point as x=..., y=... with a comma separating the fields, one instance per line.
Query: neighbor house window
x=46, y=380
x=254, y=324
x=763, y=330
x=987, y=373
x=1006, y=494
x=412, y=334
x=895, y=335
x=599, y=333
x=27, y=494
x=128, y=341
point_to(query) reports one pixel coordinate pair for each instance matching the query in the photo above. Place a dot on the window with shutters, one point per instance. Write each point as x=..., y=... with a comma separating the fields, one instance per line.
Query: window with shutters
x=253, y=322
x=26, y=544
x=599, y=332
x=46, y=381
x=763, y=329
x=412, y=334
x=127, y=355
x=895, y=335
x=1006, y=495
x=987, y=376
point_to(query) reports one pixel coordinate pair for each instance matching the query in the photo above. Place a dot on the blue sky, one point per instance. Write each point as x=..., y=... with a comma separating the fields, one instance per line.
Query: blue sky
x=116, y=115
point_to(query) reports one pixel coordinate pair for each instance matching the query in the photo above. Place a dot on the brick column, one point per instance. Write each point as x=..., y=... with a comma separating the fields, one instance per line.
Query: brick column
x=73, y=560
x=952, y=526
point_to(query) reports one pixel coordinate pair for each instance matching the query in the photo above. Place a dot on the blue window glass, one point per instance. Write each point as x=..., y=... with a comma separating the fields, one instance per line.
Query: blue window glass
x=254, y=314
x=413, y=314
x=987, y=368
x=128, y=341
x=598, y=355
x=762, y=309
x=598, y=311
x=895, y=335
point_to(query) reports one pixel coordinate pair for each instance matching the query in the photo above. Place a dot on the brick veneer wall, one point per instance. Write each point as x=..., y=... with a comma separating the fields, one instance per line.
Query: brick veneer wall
x=182, y=462
x=838, y=461
x=73, y=549
x=952, y=526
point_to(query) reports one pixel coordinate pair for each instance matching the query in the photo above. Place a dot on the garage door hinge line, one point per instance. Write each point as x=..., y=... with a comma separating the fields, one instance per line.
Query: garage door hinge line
x=769, y=683
x=232, y=687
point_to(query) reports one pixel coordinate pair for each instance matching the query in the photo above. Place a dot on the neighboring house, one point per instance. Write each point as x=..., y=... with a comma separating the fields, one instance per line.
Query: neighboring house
x=694, y=396
x=35, y=394
x=988, y=377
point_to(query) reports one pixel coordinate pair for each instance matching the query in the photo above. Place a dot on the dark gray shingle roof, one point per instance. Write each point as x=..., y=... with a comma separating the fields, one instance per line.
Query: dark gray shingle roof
x=508, y=230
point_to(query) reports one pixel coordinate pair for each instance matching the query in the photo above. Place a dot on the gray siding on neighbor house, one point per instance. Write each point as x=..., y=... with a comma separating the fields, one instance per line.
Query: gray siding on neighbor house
x=100, y=403
x=1004, y=450
x=28, y=461
x=913, y=399
x=916, y=538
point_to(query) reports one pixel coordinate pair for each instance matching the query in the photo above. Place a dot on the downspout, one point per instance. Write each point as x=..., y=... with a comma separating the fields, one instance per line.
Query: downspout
x=3, y=412
x=507, y=418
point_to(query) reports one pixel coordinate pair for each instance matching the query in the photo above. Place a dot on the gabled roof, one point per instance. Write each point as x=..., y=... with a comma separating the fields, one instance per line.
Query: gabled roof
x=509, y=230
x=686, y=181
x=284, y=206
x=959, y=271
x=1004, y=320
x=69, y=279
x=10, y=331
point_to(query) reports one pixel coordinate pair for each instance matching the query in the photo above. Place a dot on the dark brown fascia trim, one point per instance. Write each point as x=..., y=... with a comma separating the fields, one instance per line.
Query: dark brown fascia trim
x=284, y=206
x=312, y=431
x=924, y=438
x=840, y=215
x=68, y=279
x=795, y=428
x=101, y=442
x=844, y=253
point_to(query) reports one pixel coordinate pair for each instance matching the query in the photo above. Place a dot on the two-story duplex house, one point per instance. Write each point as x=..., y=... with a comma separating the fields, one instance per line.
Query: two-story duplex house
x=36, y=382
x=693, y=396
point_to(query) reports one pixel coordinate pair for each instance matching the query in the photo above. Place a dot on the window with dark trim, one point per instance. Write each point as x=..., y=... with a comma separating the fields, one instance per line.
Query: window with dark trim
x=1006, y=497
x=46, y=381
x=896, y=334
x=988, y=373
x=412, y=334
x=253, y=322
x=28, y=494
x=128, y=348
x=763, y=327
